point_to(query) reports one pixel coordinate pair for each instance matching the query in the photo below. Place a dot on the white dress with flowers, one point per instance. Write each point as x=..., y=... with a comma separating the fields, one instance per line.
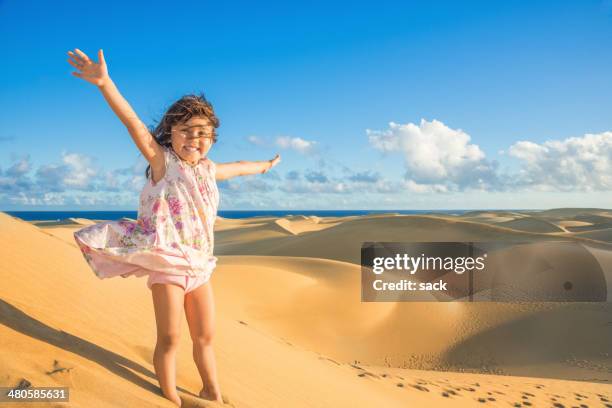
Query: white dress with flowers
x=174, y=230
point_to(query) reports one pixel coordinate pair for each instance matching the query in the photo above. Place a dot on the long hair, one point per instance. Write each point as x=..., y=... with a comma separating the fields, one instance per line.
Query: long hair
x=179, y=112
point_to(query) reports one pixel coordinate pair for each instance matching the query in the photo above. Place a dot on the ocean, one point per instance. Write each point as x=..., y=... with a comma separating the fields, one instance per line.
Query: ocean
x=115, y=215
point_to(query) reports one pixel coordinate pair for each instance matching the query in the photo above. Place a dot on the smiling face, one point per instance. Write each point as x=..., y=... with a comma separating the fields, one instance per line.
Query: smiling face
x=193, y=139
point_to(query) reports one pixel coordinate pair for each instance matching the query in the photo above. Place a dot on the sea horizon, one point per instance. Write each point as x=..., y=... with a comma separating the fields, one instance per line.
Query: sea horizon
x=55, y=215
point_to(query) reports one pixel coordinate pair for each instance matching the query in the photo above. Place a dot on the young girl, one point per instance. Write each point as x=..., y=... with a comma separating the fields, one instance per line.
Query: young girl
x=172, y=241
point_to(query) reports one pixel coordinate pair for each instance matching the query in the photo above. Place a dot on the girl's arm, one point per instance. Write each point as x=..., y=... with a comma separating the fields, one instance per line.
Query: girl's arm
x=244, y=168
x=97, y=74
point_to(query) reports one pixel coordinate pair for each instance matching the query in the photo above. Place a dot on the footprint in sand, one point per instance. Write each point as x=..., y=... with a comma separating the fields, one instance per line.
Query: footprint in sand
x=452, y=392
x=330, y=359
x=61, y=374
x=368, y=374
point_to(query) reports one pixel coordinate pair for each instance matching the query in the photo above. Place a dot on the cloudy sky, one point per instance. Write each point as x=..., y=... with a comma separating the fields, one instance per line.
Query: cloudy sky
x=386, y=105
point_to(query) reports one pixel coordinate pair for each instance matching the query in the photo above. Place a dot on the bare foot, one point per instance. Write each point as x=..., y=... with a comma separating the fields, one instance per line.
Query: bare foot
x=211, y=395
x=190, y=401
x=175, y=398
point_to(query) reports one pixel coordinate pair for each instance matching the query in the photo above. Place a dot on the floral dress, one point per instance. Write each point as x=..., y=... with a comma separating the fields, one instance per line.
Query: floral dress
x=174, y=230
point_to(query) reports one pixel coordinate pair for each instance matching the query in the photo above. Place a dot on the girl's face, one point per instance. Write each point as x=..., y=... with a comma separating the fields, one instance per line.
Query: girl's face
x=193, y=139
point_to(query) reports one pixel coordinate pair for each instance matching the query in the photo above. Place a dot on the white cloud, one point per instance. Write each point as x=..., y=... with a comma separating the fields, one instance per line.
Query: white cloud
x=424, y=188
x=257, y=141
x=438, y=161
x=316, y=177
x=436, y=155
x=285, y=142
x=365, y=177
x=295, y=143
x=72, y=181
x=576, y=163
x=309, y=188
x=19, y=168
x=80, y=171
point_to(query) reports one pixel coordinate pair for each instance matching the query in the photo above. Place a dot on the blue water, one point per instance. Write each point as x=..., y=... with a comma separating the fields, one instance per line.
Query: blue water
x=115, y=215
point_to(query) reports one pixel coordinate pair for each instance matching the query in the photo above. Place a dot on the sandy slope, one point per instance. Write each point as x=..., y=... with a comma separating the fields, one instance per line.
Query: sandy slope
x=289, y=325
x=342, y=241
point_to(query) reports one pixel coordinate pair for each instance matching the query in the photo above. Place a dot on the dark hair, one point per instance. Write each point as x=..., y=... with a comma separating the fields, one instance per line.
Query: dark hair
x=180, y=112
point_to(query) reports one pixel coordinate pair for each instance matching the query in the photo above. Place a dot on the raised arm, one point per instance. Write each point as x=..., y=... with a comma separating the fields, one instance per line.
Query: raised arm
x=97, y=74
x=244, y=168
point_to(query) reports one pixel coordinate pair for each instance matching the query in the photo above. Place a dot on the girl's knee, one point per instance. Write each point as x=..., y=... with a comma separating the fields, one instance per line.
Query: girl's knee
x=168, y=341
x=202, y=340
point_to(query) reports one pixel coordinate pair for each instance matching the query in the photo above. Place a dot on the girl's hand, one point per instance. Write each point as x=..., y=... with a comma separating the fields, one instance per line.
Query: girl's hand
x=274, y=162
x=92, y=72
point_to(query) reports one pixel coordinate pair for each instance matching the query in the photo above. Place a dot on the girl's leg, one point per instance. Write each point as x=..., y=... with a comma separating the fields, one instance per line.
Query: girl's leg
x=168, y=303
x=200, y=313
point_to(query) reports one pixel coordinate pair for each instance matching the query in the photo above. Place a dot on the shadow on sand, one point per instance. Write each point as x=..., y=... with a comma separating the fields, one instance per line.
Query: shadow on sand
x=17, y=320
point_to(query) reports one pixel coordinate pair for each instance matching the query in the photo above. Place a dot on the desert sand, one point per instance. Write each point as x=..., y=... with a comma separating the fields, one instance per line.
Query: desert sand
x=291, y=329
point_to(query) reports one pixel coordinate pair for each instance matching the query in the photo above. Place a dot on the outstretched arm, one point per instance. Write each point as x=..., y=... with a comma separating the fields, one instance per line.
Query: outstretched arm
x=97, y=74
x=244, y=168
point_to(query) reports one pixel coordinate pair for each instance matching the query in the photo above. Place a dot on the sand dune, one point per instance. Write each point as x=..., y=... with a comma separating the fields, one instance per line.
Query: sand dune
x=342, y=241
x=498, y=216
x=291, y=329
x=561, y=213
x=561, y=220
x=54, y=308
x=604, y=235
x=573, y=223
x=531, y=224
x=65, y=221
x=485, y=213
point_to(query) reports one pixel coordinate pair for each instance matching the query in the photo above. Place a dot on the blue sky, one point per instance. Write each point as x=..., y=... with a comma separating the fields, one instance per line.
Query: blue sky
x=386, y=105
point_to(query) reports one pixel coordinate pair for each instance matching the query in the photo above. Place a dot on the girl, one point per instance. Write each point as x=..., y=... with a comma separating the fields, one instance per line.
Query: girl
x=172, y=240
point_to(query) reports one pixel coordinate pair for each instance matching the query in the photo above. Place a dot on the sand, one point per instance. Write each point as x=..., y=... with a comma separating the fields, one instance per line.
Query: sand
x=291, y=329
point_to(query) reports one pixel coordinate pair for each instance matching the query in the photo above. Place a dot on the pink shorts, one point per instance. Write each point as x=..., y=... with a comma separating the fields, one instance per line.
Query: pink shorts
x=188, y=283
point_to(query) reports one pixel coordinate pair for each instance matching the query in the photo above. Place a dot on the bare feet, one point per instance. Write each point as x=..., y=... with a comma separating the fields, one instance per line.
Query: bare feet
x=211, y=395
